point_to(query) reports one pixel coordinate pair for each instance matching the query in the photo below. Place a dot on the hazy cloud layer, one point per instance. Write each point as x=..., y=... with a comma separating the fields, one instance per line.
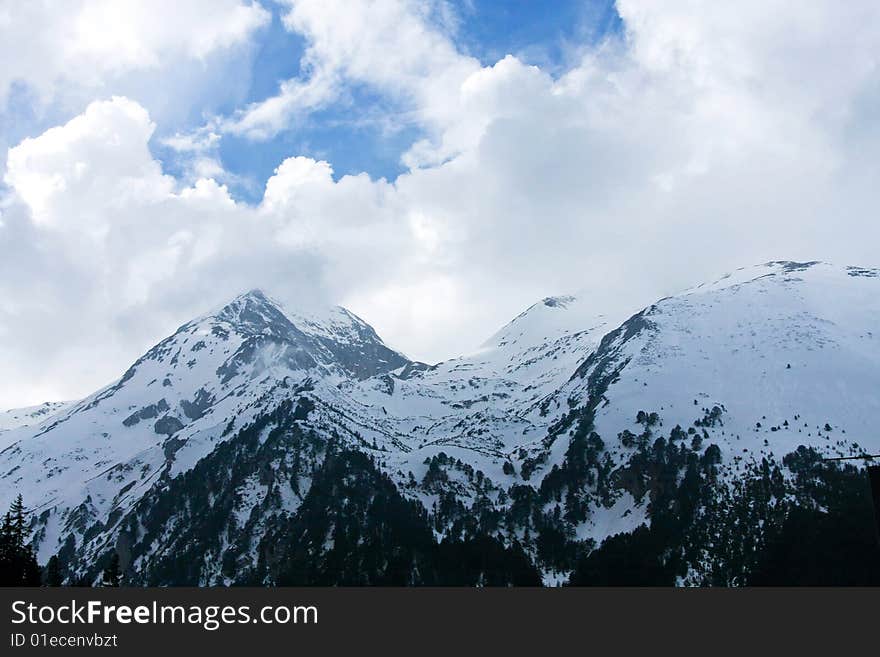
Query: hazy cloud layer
x=715, y=135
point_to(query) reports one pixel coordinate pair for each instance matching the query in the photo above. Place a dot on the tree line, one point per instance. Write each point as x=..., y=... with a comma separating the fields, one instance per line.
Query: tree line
x=18, y=562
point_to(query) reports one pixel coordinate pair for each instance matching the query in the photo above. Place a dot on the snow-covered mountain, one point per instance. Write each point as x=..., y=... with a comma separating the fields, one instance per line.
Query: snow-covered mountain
x=251, y=444
x=782, y=349
x=24, y=417
x=180, y=394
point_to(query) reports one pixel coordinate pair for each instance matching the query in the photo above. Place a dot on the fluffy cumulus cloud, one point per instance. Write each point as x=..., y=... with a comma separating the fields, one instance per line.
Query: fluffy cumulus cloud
x=55, y=46
x=103, y=253
x=397, y=47
x=179, y=59
x=710, y=136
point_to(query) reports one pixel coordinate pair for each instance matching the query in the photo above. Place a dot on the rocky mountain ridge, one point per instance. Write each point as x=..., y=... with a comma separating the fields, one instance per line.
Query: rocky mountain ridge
x=215, y=458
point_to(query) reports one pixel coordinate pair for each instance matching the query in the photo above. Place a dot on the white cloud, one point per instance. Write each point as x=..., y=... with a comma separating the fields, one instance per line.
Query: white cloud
x=295, y=99
x=101, y=253
x=89, y=43
x=101, y=156
x=195, y=142
x=178, y=60
x=712, y=137
x=391, y=45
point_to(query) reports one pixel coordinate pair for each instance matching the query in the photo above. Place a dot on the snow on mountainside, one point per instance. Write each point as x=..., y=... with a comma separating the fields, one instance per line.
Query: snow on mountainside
x=488, y=402
x=168, y=410
x=542, y=425
x=757, y=363
x=23, y=417
x=783, y=349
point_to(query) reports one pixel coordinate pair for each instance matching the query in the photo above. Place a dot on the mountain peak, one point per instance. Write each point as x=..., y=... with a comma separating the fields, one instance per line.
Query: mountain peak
x=332, y=335
x=546, y=321
x=254, y=312
x=813, y=272
x=768, y=361
x=558, y=302
x=256, y=294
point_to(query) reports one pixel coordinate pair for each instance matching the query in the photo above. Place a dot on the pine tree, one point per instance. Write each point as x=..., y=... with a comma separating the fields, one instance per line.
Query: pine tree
x=7, y=553
x=31, y=573
x=17, y=513
x=53, y=572
x=81, y=581
x=18, y=563
x=112, y=574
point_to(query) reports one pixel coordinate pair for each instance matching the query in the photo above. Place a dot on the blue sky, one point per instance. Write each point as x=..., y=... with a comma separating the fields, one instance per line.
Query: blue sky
x=364, y=131
x=163, y=156
x=349, y=134
x=540, y=33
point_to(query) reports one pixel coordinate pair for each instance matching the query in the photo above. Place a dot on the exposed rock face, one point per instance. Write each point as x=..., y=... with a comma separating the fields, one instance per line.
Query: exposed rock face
x=212, y=460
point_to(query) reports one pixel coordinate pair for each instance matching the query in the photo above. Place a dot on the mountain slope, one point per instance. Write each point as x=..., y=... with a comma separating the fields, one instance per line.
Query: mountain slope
x=568, y=427
x=783, y=349
x=171, y=407
x=24, y=417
